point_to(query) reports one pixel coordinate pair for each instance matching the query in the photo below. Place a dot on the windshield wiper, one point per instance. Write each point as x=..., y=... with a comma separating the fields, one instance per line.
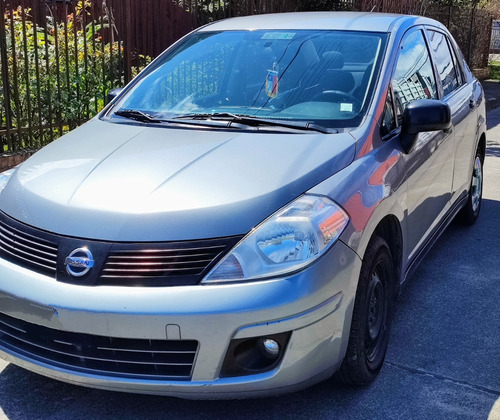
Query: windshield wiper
x=142, y=116
x=204, y=116
x=135, y=114
x=218, y=118
x=256, y=121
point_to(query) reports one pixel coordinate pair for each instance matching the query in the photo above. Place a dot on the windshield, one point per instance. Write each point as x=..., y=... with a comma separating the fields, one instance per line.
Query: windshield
x=322, y=77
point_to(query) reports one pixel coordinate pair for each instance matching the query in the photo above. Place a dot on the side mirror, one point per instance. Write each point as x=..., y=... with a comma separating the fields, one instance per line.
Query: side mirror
x=113, y=93
x=423, y=115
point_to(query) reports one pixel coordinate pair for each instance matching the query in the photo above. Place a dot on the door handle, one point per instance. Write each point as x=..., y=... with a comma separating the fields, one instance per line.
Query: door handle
x=472, y=103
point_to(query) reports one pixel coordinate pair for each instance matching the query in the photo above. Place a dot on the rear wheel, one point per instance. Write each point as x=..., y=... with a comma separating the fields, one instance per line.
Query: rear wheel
x=372, y=317
x=470, y=212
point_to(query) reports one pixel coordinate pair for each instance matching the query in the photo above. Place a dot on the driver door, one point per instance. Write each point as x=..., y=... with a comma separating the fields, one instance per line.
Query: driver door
x=429, y=166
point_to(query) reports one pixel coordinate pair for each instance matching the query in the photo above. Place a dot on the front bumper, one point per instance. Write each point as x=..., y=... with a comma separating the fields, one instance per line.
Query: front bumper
x=315, y=305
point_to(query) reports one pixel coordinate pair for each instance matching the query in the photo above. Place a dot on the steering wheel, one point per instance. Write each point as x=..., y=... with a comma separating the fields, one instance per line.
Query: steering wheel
x=337, y=96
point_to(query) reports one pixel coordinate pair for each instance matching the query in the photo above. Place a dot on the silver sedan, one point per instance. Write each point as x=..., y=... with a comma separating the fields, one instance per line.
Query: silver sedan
x=240, y=219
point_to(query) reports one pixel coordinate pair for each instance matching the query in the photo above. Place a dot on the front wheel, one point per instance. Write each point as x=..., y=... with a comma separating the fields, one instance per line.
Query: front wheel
x=470, y=212
x=372, y=316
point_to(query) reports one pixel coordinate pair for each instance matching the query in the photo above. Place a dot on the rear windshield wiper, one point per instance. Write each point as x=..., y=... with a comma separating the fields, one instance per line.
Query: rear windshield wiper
x=256, y=121
x=135, y=114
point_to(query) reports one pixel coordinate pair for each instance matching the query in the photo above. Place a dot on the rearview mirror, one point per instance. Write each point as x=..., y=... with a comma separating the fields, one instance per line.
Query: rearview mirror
x=423, y=115
x=113, y=93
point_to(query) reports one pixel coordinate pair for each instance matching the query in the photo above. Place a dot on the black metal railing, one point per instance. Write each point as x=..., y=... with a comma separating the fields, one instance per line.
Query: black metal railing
x=58, y=61
x=59, y=58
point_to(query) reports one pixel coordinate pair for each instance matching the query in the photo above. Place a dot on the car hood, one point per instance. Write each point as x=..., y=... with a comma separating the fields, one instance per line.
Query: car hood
x=125, y=182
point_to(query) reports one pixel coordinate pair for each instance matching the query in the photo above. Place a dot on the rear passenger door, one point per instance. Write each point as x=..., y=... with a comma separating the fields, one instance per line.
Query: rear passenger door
x=458, y=94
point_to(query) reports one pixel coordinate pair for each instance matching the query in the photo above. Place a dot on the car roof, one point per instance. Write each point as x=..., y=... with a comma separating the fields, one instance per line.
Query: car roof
x=353, y=21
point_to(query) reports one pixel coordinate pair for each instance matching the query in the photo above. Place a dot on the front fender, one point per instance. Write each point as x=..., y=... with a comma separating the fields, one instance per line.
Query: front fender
x=370, y=189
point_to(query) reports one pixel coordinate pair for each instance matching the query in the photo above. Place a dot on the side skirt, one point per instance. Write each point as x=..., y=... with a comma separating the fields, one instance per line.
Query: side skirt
x=431, y=240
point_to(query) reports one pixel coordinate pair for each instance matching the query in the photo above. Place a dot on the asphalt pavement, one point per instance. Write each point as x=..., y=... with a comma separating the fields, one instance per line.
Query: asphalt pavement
x=443, y=360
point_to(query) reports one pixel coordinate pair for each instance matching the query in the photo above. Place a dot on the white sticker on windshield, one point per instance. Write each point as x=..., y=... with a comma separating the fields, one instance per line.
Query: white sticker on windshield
x=278, y=35
x=345, y=107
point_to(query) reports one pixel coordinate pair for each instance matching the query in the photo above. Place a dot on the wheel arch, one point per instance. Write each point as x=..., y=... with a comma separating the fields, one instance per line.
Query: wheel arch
x=482, y=146
x=390, y=230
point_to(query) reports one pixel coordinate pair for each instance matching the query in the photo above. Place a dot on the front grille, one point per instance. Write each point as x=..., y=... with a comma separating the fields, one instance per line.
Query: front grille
x=145, y=264
x=162, y=264
x=98, y=355
x=28, y=250
x=159, y=262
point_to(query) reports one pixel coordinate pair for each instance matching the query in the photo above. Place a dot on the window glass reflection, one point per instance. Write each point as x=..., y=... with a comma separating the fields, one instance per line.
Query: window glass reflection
x=413, y=78
x=444, y=63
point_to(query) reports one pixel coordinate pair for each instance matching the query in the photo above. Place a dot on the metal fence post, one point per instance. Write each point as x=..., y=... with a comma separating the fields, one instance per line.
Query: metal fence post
x=489, y=38
x=469, y=49
x=127, y=47
x=5, y=75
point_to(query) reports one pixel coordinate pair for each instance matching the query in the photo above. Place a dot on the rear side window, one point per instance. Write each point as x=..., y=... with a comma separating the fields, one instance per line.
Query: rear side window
x=444, y=62
x=413, y=77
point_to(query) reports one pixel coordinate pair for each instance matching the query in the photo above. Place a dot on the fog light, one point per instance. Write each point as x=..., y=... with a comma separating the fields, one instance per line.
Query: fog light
x=247, y=356
x=270, y=348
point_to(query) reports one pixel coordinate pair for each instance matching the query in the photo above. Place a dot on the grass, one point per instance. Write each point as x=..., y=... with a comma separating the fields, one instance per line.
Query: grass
x=494, y=70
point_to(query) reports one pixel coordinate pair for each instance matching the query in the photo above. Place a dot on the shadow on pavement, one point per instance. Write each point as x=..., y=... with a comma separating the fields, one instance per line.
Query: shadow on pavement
x=395, y=394
x=447, y=319
x=492, y=120
x=27, y=395
x=493, y=151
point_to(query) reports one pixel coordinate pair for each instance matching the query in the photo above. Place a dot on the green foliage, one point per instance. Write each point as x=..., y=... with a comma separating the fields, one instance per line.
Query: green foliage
x=468, y=4
x=318, y=5
x=58, y=74
x=494, y=67
x=141, y=61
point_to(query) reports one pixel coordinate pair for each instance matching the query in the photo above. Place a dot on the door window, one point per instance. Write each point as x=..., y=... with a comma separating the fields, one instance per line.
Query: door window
x=444, y=62
x=414, y=77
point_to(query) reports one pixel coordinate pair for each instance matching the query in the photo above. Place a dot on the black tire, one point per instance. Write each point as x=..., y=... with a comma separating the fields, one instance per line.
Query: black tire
x=470, y=212
x=372, y=317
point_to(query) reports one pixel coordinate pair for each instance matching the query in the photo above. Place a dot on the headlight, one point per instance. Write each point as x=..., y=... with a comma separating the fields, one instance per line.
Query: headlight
x=289, y=240
x=5, y=176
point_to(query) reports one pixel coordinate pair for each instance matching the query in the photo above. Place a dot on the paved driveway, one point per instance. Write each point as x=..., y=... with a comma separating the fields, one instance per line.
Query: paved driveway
x=443, y=360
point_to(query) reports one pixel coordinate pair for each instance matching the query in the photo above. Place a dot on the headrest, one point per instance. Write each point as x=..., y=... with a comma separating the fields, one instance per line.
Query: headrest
x=332, y=60
x=307, y=53
x=338, y=80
